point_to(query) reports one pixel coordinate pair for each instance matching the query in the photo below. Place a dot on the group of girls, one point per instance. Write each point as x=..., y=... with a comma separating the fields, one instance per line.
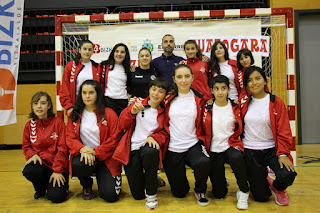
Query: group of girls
x=175, y=128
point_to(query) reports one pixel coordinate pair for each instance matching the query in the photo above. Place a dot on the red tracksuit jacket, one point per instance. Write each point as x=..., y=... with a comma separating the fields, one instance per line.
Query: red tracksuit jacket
x=128, y=122
x=280, y=125
x=200, y=71
x=234, y=140
x=68, y=88
x=109, y=139
x=200, y=102
x=47, y=138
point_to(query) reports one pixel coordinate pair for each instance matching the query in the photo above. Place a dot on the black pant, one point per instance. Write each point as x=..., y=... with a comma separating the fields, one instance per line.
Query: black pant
x=174, y=166
x=116, y=104
x=235, y=158
x=109, y=187
x=257, y=162
x=39, y=175
x=145, y=159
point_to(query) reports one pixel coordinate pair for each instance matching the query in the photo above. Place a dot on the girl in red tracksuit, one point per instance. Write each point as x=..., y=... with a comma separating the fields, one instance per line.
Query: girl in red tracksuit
x=222, y=126
x=220, y=64
x=45, y=149
x=75, y=72
x=183, y=124
x=92, y=136
x=140, y=147
x=267, y=139
x=244, y=61
x=199, y=68
x=114, y=81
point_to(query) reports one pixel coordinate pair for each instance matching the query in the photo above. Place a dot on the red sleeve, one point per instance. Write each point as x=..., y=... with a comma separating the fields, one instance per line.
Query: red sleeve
x=28, y=151
x=108, y=146
x=127, y=118
x=60, y=162
x=284, y=135
x=160, y=136
x=64, y=93
x=73, y=142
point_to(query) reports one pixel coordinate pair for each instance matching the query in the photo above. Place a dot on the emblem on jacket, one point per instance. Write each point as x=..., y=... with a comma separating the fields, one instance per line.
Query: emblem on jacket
x=54, y=136
x=104, y=122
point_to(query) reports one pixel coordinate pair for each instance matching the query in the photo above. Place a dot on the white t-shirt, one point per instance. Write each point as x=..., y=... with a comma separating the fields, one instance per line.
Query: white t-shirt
x=144, y=127
x=257, y=128
x=89, y=129
x=182, y=114
x=226, y=70
x=117, y=83
x=223, y=124
x=85, y=74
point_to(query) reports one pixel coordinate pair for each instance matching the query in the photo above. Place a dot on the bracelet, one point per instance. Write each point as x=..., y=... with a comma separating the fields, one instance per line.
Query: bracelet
x=283, y=155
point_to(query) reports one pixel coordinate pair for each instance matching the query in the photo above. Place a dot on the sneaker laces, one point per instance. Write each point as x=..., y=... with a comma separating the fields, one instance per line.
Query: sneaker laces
x=151, y=198
x=243, y=198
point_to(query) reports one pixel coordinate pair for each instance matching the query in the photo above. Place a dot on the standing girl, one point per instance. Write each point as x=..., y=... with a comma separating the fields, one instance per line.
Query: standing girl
x=222, y=126
x=199, y=68
x=92, y=136
x=244, y=61
x=139, y=80
x=267, y=140
x=140, y=147
x=114, y=78
x=44, y=147
x=183, y=123
x=76, y=72
x=220, y=64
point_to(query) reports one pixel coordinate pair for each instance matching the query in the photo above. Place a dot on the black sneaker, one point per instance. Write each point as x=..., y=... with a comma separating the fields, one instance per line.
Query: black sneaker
x=39, y=195
x=202, y=199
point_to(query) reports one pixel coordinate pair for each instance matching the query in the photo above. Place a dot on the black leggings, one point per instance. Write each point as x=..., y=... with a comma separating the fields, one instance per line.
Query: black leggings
x=235, y=158
x=174, y=166
x=257, y=162
x=141, y=171
x=116, y=104
x=39, y=175
x=109, y=187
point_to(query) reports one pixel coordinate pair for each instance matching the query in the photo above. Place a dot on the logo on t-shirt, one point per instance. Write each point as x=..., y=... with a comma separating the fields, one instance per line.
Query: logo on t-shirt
x=152, y=77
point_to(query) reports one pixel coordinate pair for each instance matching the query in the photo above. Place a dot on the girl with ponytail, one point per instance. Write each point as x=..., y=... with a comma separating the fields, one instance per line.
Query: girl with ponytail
x=78, y=70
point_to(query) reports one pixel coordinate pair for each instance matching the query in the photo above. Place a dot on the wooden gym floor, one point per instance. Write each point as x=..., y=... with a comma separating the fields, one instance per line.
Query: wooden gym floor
x=16, y=193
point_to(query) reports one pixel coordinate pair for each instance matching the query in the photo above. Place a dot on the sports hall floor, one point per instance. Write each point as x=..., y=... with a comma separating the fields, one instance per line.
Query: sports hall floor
x=16, y=193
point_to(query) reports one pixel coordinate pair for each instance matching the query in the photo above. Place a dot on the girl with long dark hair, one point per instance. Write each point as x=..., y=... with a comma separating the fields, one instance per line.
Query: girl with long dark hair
x=115, y=73
x=92, y=136
x=221, y=64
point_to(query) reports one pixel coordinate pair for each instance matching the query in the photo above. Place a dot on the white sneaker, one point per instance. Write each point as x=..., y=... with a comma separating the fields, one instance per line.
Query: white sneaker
x=202, y=199
x=151, y=202
x=242, y=200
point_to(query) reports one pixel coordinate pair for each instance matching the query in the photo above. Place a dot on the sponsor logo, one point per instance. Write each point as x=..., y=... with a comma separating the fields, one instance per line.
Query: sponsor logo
x=7, y=89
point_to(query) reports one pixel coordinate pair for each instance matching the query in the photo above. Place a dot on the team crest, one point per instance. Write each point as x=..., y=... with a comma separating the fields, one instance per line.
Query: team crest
x=148, y=44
